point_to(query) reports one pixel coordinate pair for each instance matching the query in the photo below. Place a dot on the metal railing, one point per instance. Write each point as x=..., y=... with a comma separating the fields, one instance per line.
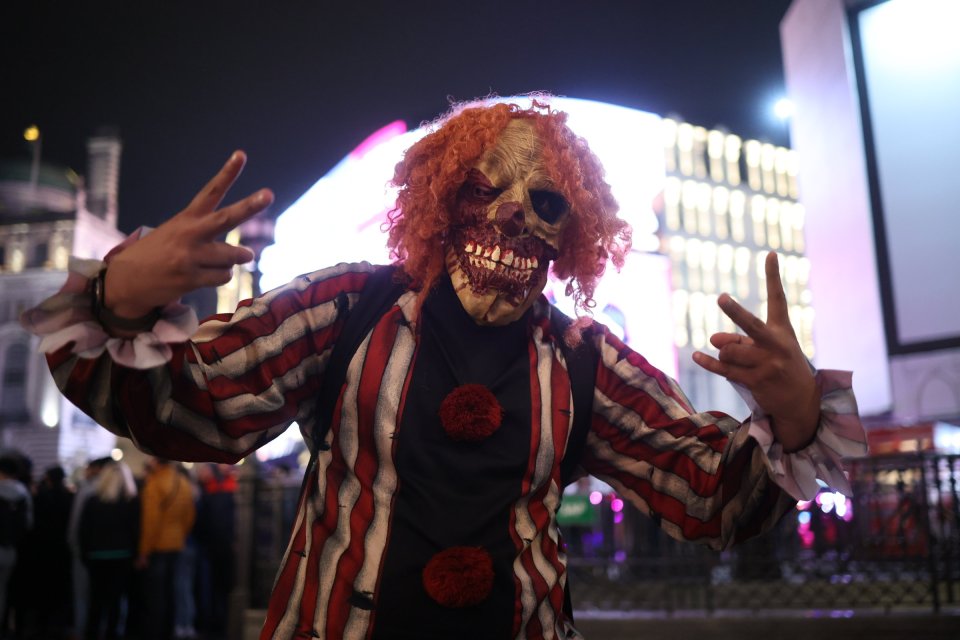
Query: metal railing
x=894, y=545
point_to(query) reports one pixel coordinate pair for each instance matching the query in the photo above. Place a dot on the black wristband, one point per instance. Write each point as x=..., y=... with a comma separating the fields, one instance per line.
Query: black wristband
x=109, y=319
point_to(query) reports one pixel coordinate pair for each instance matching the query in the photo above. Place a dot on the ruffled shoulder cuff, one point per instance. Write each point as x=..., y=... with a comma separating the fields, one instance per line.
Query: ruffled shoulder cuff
x=839, y=435
x=67, y=318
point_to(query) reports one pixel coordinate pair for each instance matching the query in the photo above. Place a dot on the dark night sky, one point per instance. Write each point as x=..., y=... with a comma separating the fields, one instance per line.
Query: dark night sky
x=299, y=84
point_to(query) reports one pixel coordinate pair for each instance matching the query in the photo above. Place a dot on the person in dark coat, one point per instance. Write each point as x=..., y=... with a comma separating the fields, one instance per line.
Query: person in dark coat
x=48, y=583
x=215, y=535
x=108, y=533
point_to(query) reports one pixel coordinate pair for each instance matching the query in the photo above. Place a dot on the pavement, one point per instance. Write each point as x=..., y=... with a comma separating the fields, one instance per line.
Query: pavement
x=842, y=625
x=810, y=625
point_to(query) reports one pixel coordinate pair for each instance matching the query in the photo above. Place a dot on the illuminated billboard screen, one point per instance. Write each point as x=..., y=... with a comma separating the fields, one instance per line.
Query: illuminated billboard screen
x=907, y=60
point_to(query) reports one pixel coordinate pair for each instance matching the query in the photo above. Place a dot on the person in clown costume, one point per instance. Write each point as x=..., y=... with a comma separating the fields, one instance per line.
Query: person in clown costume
x=429, y=510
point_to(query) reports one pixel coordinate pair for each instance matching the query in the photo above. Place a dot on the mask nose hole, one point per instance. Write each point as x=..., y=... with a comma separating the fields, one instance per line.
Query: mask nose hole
x=510, y=219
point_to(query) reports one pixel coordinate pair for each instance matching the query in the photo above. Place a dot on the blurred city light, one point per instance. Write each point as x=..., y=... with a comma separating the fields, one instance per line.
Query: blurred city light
x=31, y=133
x=783, y=109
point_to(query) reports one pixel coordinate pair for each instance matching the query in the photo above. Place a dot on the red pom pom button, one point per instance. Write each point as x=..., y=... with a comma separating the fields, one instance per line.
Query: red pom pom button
x=470, y=413
x=459, y=576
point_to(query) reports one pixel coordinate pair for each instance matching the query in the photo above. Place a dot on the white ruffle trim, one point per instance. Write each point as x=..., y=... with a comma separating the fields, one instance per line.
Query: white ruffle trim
x=67, y=318
x=839, y=435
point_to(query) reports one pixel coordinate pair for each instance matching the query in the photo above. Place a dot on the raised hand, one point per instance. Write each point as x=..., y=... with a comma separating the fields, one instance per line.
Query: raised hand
x=183, y=253
x=769, y=362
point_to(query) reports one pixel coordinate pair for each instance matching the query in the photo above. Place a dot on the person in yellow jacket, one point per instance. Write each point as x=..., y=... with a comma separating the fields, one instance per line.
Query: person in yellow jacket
x=167, y=516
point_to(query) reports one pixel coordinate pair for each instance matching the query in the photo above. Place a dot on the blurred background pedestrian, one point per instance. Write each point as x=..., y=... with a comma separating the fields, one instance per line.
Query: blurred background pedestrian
x=16, y=519
x=80, y=580
x=108, y=533
x=215, y=536
x=167, y=516
x=184, y=581
x=47, y=609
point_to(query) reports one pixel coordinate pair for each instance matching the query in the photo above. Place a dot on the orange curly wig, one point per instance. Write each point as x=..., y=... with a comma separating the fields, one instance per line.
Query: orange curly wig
x=433, y=170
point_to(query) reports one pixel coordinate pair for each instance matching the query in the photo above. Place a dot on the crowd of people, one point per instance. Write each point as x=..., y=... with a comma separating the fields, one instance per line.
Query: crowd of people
x=106, y=555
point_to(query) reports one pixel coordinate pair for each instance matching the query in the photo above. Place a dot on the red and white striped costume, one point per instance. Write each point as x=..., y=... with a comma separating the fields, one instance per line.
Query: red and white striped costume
x=245, y=377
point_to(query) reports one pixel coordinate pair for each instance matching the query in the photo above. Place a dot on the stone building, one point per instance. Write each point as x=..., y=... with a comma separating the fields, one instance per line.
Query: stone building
x=47, y=214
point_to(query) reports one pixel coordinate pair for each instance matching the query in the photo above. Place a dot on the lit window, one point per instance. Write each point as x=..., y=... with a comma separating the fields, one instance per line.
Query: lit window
x=16, y=259
x=678, y=259
x=715, y=153
x=741, y=264
x=685, y=146
x=737, y=206
x=721, y=203
x=791, y=270
x=758, y=213
x=708, y=263
x=780, y=164
x=711, y=315
x=61, y=257
x=700, y=152
x=786, y=224
x=799, y=215
x=732, y=153
x=670, y=144
x=704, y=197
x=760, y=261
x=671, y=202
x=693, y=264
x=689, y=200
x=793, y=170
x=725, y=267
x=752, y=157
x=768, y=155
x=773, y=223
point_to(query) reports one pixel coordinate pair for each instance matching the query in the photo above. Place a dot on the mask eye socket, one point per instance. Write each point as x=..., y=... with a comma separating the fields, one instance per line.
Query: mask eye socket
x=477, y=188
x=483, y=192
x=550, y=206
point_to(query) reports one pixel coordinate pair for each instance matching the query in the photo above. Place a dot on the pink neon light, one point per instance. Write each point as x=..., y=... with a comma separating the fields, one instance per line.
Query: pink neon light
x=378, y=137
x=596, y=497
x=616, y=505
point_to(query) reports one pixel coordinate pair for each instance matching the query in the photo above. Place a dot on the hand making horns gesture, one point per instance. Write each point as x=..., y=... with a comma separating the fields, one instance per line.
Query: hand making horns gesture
x=770, y=363
x=184, y=252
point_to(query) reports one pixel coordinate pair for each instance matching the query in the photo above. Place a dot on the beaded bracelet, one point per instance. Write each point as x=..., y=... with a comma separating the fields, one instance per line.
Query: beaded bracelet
x=109, y=319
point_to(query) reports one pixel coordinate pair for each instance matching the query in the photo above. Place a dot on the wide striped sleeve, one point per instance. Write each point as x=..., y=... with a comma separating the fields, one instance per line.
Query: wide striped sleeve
x=241, y=380
x=700, y=475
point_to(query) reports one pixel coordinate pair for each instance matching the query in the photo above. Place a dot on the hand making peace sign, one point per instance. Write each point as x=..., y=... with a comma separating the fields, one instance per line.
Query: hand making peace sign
x=770, y=363
x=183, y=253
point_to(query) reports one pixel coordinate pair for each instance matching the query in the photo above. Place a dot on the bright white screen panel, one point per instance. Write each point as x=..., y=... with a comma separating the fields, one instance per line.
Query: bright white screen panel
x=911, y=61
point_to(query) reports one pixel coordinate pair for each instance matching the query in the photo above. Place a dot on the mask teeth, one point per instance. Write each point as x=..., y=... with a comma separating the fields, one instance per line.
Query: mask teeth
x=495, y=257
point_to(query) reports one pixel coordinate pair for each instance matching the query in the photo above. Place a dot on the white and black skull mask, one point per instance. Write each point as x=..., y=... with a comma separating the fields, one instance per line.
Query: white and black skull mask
x=506, y=228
